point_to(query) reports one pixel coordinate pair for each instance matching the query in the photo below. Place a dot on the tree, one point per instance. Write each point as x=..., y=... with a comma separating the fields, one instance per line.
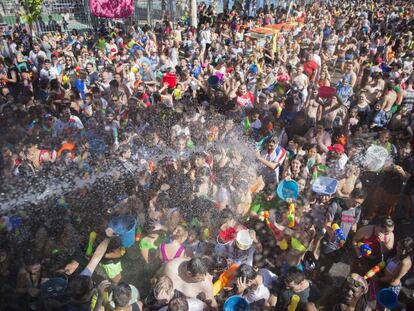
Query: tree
x=193, y=13
x=32, y=11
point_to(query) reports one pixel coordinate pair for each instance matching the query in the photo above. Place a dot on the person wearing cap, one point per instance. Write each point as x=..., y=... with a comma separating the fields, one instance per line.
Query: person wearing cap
x=337, y=158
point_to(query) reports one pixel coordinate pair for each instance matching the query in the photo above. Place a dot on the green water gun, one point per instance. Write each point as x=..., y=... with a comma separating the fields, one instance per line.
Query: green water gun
x=263, y=141
x=247, y=125
x=92, y=238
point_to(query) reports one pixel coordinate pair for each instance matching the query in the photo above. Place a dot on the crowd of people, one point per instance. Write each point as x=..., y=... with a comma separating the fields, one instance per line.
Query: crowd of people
x=192, y=132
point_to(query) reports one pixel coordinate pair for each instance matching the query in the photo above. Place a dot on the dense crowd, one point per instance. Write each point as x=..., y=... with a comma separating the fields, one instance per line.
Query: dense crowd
x=245, y=164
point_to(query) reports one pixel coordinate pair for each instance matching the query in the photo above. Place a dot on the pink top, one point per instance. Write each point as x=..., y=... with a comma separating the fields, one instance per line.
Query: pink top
x=164, y=253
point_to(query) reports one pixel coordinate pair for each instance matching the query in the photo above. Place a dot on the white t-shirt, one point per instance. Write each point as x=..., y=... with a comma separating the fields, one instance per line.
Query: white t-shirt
x=261, y=292
x=50, y=74
x=59, y=126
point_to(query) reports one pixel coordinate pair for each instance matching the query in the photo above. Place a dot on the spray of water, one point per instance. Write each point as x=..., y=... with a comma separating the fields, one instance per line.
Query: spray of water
x=52, y=184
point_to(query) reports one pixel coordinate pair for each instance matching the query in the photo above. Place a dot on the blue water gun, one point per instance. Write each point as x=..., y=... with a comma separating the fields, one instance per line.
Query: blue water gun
x=364, y=249
x=339, y=234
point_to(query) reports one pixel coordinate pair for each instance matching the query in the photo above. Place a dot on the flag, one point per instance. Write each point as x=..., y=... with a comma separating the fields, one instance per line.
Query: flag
x=112, y=8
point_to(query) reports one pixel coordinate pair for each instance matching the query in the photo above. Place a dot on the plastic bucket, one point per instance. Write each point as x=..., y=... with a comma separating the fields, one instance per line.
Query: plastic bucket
x=236, y=303
x=227, y=236
x=170, y=79
x=387, y=298
x=326, y=91
x=325, y=185
x=288, y=189
x=124, y=226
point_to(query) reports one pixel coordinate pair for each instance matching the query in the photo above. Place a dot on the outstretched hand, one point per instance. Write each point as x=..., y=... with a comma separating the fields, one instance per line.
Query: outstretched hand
x=109, y=232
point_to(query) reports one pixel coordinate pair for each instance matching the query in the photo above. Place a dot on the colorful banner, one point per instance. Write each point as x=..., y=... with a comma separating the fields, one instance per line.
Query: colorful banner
x=112, y=8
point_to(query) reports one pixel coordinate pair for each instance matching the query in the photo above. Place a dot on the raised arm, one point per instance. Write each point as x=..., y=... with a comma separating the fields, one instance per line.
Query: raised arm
x=99, y=252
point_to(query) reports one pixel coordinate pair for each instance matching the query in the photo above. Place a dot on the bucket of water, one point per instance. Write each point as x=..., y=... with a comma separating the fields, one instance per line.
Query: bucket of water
x=325, y=185
x=387, y=298
x=375, y=158
x=236, y=303
x=288, y=189
x=170, y=79
x=124, y=226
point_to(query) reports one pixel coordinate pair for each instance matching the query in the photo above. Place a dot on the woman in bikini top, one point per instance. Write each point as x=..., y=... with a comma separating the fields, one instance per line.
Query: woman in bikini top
x=175, y=248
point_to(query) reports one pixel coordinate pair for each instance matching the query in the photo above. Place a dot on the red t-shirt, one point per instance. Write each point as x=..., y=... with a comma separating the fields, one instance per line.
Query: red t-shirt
x=245, y=100
x=310, y=68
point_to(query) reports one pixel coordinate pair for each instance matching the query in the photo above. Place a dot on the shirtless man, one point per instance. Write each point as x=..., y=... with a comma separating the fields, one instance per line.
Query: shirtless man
x=301, y=80
x=385, y=113
x=374, y=88
x=190, y=276
x=329, y=112
x=349, y=182
x=311, y=106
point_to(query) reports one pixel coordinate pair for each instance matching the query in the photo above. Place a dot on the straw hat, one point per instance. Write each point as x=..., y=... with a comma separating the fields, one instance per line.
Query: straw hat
x=243, y=240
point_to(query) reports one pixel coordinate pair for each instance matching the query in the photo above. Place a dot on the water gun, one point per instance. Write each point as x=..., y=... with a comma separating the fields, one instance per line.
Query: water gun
x=224, y=279
x=374, y=270
x=247, y=125
x=264, y=216
x=177, y=93
x=314, y=173
x=340, y=237
x=294, y=301
x=263, y=141
x=206, y=234
x=278, y=234
x=291, y=215
x=364, y=249
x=138, y=233
x=115, y=135
x=92, y=238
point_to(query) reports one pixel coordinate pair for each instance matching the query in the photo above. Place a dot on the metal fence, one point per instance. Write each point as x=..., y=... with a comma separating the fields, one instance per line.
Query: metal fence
x=75, y=14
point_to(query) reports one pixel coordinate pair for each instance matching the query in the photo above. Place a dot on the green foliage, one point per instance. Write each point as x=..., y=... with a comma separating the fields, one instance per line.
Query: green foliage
x=32, y=10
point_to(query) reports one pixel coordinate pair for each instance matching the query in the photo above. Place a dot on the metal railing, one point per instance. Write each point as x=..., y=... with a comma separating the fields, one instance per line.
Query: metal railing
x=75, y=14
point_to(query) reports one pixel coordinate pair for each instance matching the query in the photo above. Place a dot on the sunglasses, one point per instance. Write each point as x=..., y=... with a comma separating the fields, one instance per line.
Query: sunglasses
x=354, y=282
